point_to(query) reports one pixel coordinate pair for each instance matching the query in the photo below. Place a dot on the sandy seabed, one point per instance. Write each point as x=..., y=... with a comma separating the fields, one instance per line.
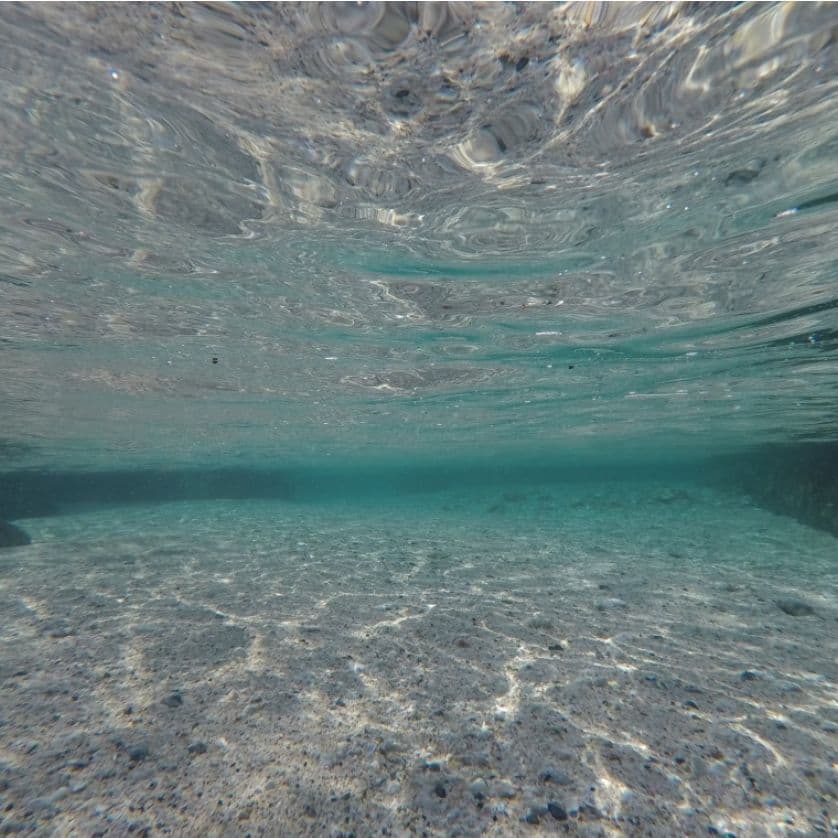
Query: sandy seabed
x=589, y=661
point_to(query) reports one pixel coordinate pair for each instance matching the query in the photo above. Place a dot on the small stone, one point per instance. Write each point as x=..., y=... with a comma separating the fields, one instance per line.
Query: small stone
x=749, y=675
x=137, y=753
x=533, y=816
x=543, y=623
x=505, y=790
x=611, y=603
x=12, y=536
x=174, y=699
x=557, y=811
x=57, y=628
x=389, y=747
x=795, y=607
x=198, y=748
x=550, y=774
x=439, y=790
x=479, y=788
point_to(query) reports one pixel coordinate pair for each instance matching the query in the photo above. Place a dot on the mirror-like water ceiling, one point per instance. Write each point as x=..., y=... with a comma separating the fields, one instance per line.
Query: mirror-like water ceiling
x=418, y=418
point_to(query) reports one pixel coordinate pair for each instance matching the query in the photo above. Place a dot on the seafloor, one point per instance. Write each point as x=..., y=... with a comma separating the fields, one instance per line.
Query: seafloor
x=625, y=660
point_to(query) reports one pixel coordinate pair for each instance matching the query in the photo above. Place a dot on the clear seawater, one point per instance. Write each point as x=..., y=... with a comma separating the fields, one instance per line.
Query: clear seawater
x=423, y=417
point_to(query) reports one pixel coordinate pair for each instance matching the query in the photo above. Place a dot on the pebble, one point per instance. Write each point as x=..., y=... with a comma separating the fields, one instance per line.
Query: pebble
x=137, y=753
x=174, y=699
x=197, y=748
x=505, y=790
x=479, y=788
x=557, y=811
x=390, y=746
x=543, y=623
x=550, y=774
x=795, y=607
x=534, y=814
x=610, y=603
x=12, y=536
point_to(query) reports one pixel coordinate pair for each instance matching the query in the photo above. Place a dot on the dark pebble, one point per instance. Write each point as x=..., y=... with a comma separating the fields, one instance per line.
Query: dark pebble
x=439, y=790
x=532, y=816
x=558, y=812
x=198, y=748
x=553, y=775
x=175, y=699
x=748, y=675
x=137, y=753
x=12, y=536
x=740, y=177
x=795, y=607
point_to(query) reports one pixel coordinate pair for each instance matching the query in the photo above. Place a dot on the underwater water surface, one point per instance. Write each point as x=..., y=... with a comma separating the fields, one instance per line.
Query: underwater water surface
x=418, y=419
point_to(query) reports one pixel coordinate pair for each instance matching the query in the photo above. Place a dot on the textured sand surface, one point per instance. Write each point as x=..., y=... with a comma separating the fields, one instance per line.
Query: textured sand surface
x=652, y=661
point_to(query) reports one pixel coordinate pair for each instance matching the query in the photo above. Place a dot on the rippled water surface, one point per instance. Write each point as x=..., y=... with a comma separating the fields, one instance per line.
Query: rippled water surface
x=404, y=411
x=401, y=228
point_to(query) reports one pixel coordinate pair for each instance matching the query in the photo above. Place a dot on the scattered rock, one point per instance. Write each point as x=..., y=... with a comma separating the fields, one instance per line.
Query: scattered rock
x=439, y=790
x=479, y=788
x=505, y=790
x=198, y=748
x=542, y=623
x=557, y=811
x=174, y=699
x=137, y=753
x=795, y=607
x=12, y=536
x=533, y=815
x=57, y=628
x=610, y=603
x=389, y=747
x=740, y=177
x=550, y=774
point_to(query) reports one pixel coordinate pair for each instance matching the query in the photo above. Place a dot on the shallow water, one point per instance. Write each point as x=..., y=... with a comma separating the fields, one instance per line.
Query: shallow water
x=423, y=417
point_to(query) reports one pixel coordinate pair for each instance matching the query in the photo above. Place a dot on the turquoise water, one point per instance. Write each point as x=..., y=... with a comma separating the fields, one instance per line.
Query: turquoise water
x=418, y=418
